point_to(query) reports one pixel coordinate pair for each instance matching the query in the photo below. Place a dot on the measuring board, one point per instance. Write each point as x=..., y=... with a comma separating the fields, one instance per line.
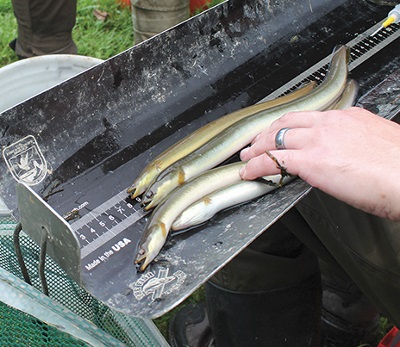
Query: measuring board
x=106, y=225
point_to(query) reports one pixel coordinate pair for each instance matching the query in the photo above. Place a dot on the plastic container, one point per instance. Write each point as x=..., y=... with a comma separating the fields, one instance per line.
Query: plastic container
x=198, y=6
x=391, y=339
x=23, y=79
x=124, y=3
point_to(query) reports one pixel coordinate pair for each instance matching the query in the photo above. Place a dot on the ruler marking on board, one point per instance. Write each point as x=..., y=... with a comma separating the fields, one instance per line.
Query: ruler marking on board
x=374, y=45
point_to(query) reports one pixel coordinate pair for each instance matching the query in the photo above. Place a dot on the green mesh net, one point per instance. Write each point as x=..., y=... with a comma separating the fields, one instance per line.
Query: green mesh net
x=20, y=329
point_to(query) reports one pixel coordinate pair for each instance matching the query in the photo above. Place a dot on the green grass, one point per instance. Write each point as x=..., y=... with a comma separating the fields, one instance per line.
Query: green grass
x=8, y=31
x=102, y=39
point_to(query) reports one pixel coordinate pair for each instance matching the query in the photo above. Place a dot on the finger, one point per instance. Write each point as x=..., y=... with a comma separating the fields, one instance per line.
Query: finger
x=258, y=137
x=300, y=119
x=295, y=138
x=263, y=165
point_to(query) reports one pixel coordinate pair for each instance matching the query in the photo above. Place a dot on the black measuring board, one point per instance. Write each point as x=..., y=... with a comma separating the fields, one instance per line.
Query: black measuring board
x=184, y=255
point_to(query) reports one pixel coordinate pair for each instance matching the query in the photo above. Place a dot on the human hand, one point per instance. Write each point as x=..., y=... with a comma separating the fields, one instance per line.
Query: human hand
x=350, y=154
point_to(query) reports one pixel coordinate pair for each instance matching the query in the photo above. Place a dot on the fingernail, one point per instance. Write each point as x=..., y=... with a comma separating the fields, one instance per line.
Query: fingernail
x=242, y=171
x=243, y=153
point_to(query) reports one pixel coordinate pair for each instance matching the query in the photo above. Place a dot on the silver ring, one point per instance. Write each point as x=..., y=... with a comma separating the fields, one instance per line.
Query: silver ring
x=280, y=138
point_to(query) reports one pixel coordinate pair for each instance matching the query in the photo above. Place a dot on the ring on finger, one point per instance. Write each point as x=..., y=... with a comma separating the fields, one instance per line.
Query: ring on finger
x=280, y=138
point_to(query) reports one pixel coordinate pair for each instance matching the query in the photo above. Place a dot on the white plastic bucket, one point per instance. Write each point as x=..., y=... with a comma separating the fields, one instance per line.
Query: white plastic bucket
x=26, y=78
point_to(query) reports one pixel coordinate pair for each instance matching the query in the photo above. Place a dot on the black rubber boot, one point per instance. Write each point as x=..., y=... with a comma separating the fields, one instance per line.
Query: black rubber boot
x=276, y=318
x=190, y=328
x=349, y=319
x=13, y=45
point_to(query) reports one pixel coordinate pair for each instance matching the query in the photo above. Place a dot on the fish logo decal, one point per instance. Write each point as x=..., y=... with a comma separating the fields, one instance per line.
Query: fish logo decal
x=155, y=286
x=25, y=161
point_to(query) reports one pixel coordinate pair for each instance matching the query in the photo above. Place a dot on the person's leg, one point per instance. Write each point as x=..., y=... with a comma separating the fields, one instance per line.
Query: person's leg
x=269, y=294
x=44, y=27
x=151, y=17
x=367, y=248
